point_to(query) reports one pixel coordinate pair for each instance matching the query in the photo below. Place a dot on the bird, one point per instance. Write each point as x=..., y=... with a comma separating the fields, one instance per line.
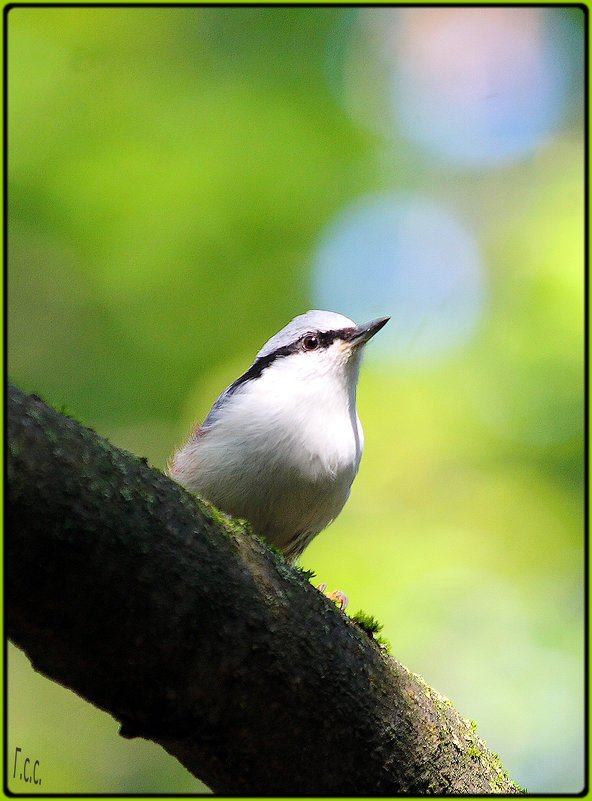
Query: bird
x=282, y=444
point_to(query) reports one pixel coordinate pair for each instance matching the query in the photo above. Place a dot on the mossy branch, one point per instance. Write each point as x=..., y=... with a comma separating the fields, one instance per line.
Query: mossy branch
x=192, y=633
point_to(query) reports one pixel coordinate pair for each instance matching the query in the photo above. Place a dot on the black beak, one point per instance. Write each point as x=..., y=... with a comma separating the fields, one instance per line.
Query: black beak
x=362, y=333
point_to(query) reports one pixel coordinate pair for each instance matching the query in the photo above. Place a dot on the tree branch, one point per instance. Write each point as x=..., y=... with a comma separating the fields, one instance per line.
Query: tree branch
x=145, y=601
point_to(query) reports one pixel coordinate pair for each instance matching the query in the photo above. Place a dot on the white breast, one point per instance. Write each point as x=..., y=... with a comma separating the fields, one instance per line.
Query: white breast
x=282, y=453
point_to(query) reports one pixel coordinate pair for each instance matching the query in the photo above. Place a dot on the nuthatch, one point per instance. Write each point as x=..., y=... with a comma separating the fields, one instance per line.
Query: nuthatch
x=282, y=445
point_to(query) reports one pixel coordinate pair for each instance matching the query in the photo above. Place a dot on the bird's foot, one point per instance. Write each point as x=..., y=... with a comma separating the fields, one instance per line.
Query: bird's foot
x=338, y=597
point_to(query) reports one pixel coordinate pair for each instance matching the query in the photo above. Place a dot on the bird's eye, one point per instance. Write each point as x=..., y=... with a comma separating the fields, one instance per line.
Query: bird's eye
x=310, y=342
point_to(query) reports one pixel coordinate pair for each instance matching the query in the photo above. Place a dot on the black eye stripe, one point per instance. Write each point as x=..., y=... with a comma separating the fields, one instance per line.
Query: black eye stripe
x=326, y=338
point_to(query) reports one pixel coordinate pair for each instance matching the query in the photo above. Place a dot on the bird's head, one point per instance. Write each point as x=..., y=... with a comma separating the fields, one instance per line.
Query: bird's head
x=319, y=345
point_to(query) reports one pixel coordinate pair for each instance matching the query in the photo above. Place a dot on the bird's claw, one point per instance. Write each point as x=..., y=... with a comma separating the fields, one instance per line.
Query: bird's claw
x=339, y=598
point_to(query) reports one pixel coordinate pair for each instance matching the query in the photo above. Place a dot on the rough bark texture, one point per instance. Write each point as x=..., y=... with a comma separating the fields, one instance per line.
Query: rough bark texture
x=192, y=633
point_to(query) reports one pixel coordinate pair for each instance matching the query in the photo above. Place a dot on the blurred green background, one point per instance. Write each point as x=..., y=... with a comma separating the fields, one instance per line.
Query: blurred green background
x=184, y=181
